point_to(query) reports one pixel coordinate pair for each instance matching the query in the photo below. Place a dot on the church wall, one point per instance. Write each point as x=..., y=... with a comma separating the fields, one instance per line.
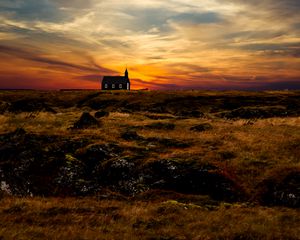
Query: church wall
x=118, y=86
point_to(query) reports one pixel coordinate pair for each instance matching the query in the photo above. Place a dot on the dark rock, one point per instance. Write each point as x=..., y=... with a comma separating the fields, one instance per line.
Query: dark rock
x=58, y=166
x=187, y=177
x=94, y=155
x=130, y=135
x=29, y=164
x=71, y=178
x=201, y=127
x=121, y=175
x=281, y=189
x=116, y=170
x=86, y=121
x=92, y=152
x=101, y=114
x=161, y=126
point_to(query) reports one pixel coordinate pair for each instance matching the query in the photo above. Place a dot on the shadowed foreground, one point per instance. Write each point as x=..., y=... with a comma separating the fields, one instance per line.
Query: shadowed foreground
x=89, y=218
x=149, y=165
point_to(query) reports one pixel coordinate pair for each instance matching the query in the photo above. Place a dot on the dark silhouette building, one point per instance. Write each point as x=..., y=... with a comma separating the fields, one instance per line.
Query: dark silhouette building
x=116, y=82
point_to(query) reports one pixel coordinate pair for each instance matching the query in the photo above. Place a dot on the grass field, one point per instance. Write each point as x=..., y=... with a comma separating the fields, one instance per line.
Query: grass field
x=149, y=165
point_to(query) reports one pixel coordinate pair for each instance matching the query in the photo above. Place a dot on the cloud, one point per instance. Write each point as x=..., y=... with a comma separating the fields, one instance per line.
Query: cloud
x=42, y=10
x=176, y=43
x=198, y=18
x=280, y=7
x=145, y=19
x=21, y=81
x=74, y=4
x=154, y=85
x=272, y=50
x=271, y=46
x=37, y=57
x=91, y=78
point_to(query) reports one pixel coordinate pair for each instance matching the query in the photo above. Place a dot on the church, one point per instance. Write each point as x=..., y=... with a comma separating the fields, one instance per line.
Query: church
x=116, y=82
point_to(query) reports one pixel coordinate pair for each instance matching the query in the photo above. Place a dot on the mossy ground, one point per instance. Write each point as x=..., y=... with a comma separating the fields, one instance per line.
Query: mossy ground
x=249, y=150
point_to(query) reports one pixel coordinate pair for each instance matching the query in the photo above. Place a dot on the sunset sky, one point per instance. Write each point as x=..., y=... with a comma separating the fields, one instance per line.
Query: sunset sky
x=166, y=44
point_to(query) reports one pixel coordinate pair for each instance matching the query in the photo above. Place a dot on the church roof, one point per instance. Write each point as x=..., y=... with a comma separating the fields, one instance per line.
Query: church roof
x=115, y=80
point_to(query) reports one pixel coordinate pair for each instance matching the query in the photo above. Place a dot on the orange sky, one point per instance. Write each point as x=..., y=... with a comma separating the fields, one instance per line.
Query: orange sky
x=170, y=44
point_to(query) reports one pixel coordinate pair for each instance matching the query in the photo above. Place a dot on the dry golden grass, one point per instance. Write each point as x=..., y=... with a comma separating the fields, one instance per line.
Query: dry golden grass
x=89, y=218
x=249, y=150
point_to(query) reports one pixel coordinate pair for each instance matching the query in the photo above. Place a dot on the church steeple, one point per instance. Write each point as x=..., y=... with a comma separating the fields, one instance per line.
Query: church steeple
x=126, y=73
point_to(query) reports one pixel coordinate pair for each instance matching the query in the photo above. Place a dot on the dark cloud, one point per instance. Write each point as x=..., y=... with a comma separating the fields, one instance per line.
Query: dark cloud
x=274, y=49
x=230, y=82
x=31, y=10
x=263, y=83
x=39, y=37
x=253, y=35
x=293, y=53
x=119, y=44
x=92, y=77
x=154, y=85
x=282, y=8
x=21, y=81
x=148, y=18
x=74, y=4
x=36, y=57
x=145, y=19
x=270, y=46
x=198, y=18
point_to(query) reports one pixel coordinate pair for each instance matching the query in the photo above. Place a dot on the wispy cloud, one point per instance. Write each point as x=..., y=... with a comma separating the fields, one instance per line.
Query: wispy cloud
x=35, y=57
x=209, y=42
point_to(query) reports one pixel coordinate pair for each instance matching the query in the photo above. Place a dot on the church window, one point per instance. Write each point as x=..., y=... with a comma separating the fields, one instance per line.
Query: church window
x=120, y=86
x=113, y=85
x=105, y=86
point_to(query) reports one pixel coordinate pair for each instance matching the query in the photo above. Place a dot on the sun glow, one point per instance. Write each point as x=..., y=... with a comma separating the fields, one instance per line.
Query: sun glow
x=171, y=44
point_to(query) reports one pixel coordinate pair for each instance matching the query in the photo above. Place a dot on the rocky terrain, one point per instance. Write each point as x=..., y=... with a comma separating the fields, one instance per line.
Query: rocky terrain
x=193, y=150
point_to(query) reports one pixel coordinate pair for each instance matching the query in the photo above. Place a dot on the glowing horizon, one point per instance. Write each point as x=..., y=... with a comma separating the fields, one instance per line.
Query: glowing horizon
x=171, y=44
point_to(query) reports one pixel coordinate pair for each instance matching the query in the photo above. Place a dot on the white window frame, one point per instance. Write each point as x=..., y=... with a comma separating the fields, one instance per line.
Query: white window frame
x=105, y=85
x=113, y=86
x=120, y=86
